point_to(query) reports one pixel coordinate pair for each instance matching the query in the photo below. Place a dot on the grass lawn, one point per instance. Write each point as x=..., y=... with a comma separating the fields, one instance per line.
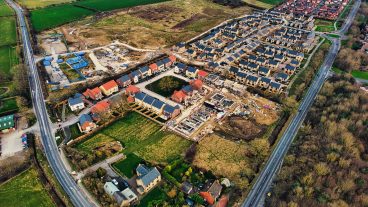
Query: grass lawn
x=74, y=131
x=324, y=25
x=33, y=4
x=128, y=165
x=155, y=194
x=166, y=85
x=25, y=190
x=5, y=10
x=107, y=5
x=8, y=105
x=138, y=134
x=8, y=31
x=334, y=35
x=360, y=74
x=8, y=58
x=337, y=70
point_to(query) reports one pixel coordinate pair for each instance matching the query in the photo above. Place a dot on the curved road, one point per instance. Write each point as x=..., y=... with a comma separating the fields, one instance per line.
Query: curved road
x=47, y=137
x=264, y=180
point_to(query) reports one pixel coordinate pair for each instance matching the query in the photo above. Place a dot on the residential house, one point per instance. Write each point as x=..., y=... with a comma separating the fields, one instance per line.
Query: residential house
x=134, y=76
x=188, y=89
x=123, y=196
x=295, y=63
x=275, y=87
x=124, y=81
x=191, y=72
x=202, y=74
x=154, y=68
x=186, y=187
x=241, y=77
x=86, y=123
x=179, y=96
x=233, y=71
x=160, y=65
x=148, y=101
x=180, y=67
x=180, y=47
x=264, y=82
x=264, y=71
x=252, y=80
x=76, y=103
x=170, y=112
x=283, y=77
x=289, y=69
x=157, y=106
x=147, y=178
x=172, y=59
x=215, y=189
x=132, y=90
x=273, y=64
x=167, y=62
x=139, y=97
x=109, y=88
x=279, y=57
x=94, y=94
x=101, y=107
x=145, y=71
x=7, y=123
x=196, y=84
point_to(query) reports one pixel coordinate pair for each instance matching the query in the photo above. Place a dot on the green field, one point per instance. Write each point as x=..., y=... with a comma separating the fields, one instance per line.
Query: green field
x=25, y=190
x=128, y=165
x=8, y=58
x=33, y=4
x=324, y=25
x=8, y=105
x=8, y=31
x=53, y=16
x=171, y=84
x=141, y=135
x=360, y=74
x=266, y=4
x=5, y=10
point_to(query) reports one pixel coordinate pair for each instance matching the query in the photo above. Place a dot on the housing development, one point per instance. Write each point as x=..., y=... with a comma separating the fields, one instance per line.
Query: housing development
x=183, y=103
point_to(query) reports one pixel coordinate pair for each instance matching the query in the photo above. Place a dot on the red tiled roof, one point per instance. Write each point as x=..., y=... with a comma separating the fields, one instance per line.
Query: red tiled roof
x=131, y=99
x=109, y=85
x=207, y=196
x=172, y=58
x=131, y=89
x=222, y=202
x=100, y=107
x=153, y=66
x=92, y=93
x=202, y=73
x=178, y=96
x=196, y=84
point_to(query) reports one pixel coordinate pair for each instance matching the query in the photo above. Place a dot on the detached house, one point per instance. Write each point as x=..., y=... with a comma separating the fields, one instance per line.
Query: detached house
x=124, y=81
x=180, y=67
x=191, y=72
x=109, y=88
x=282, y=77
x=101, y=107
x=86, y=123
x=132, y=90
x=76, y=103
x=179, y=96
x=147, y=178
x=264, y=71
x=94, y=94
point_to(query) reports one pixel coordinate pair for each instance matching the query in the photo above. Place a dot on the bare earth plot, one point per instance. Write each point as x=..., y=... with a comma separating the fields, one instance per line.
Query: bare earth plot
x=154, y=26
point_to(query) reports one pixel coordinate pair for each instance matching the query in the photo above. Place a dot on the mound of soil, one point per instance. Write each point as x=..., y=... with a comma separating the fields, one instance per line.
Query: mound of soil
x=156, y=13
x=239, y=128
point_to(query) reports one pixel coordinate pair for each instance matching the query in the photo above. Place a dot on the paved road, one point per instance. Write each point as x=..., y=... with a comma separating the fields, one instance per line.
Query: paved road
x=47, y=137
x=264, y=180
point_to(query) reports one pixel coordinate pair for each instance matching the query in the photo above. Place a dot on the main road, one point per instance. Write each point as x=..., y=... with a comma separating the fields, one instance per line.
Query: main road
x=264, y=180
x=51, y=150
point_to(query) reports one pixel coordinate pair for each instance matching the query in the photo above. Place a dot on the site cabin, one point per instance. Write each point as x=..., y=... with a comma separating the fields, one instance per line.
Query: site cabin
x=289, y=69
x=94, y=94
x=86, y=123
x=132, y=90
x=264, y=82
x=109, y=88
x=101, y=107
x=275, y=87
x=154, y=68
x=147, y=178
x=145, y=71
x=170, y=112
x=76, y=103
x=191, y=72
x=180, y=67
x=124, y=81
x=252, y=81
x=179, y=96
x=283, y=77
x=134, y=76
x=7, y=123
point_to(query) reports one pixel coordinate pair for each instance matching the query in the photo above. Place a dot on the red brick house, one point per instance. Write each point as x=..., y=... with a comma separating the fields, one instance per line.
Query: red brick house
x=154, y=68
x=100, y=107
x=94, y=94
x=179, y=96
x=197, y=84
x=131, y=90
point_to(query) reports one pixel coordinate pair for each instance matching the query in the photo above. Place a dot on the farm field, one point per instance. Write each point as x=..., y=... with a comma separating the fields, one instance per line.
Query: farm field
x=8, y=105
x=53, y=16
x=8, y=31
x=33, y=4
x=5, y=10
x=166, y=85
x=155, y=25
x=137, y=134
x=24, y=190
x=8, y=58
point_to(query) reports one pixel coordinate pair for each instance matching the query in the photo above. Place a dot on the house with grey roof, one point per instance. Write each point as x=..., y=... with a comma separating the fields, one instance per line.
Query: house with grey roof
x=147, y=178
x=76, y=103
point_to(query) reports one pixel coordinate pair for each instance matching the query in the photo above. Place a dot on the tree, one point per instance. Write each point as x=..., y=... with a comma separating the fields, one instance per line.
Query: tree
x=167, y=83
x=259, y=147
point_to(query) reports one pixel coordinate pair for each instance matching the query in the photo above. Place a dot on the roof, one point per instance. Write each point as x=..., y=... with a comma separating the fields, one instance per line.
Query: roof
x=132, y=89
x=234, y=69
x=169, y=109
x=282, y=76
x=109, y=85
x=263, y=70
x=101, y=107
x=187, y=88
x=75, y=101
x=252, y=78
x=202, y=73
x=181, y=65
x=166, y=60
x=85, y=118
x=142, y=169
x=196, y=84
x=290, y=67
x=275, y=85
x=223, y=201
x=140, y=96
x=158, y=104
x=241, y=74
x=172, y=58
x=148, y=99
x=123, y=79
x=179, y=95
x=265, y=80
x=144, y=69
x=92, y=92
x=192, y=70
x=215, y=189
x=134, y=74
x=149, y=176
x=7, y=122
x=207, y=196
